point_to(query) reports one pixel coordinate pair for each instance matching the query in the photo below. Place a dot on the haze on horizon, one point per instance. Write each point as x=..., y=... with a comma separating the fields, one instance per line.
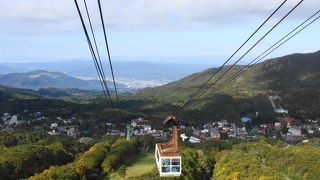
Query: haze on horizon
x=200, y=32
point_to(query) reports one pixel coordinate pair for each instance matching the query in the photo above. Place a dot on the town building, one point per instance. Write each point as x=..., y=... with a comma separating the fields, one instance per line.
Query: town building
x=215, y=134
x=294, y=131
x=194, y=140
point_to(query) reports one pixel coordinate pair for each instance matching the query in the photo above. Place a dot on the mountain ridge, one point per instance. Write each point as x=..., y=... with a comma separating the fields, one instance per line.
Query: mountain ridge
x=44, y=79
x=135, y=70
x=295, y=78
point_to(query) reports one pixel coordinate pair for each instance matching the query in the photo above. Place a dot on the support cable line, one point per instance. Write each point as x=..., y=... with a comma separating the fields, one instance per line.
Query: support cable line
x=196, y=92
x=98, y=63
x=250, y=49
x=103, y=83
x=256, y=60
x=108, y=51
x=95, y=42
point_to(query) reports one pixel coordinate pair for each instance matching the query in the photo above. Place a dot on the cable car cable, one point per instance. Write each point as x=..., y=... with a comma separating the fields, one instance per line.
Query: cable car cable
x=256, y=60
x=196, y=92
x=249, y=49
x=108, y=51
x=93, y=54
x=94, y=40
x=246, y=67
x=98, y=62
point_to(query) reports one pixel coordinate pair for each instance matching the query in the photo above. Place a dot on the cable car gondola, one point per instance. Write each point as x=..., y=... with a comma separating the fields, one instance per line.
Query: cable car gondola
x=167, y=155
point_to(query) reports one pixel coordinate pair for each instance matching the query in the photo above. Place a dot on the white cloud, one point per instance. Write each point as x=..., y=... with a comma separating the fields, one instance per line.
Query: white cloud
x=54, y=16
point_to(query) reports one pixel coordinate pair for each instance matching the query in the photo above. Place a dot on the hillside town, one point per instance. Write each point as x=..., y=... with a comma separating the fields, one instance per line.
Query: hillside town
x=286, y=128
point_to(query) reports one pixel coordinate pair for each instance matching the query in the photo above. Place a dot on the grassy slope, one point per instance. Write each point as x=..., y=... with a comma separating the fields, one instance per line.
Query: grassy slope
x=143, y=164
x=140, y=165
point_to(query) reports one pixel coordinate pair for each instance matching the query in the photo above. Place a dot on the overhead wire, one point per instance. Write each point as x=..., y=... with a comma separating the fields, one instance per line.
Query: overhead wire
x=98, y=68
x=207, y=81
x=95, y=42
x=249, y=50
x=98, y=62
x=108, y=51
x=259, y=58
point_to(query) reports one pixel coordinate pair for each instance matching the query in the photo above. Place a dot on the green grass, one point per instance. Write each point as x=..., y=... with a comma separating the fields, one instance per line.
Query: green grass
x=138, y=166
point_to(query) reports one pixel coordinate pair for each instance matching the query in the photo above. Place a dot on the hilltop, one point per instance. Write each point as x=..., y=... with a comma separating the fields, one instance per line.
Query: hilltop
x=45, y=79
x=296, y=71
x=295, y=78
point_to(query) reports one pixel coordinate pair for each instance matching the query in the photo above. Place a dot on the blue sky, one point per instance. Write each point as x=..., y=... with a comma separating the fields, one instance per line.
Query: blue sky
x=207, y=31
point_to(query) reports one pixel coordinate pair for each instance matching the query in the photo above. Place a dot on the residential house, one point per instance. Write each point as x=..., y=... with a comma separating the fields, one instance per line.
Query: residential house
x=222, y=123
x=194, y=139
x=215, y=134
x=53, y=125
x=135, y=122
x=69, y=130
x=277, y=125
x=294, y=131
x=146, y=127
x=203, y=131
x=53, y=132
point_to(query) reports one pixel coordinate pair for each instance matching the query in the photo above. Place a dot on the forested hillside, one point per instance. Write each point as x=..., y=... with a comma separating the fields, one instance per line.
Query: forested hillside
x=38, y=156
x=293, y=72
x=295, y=78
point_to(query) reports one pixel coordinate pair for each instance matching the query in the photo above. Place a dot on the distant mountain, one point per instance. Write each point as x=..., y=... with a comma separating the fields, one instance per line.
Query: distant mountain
x=131, y=70
x=7, y=93
x=295, y=78
x=44, y=79
x=8, y=69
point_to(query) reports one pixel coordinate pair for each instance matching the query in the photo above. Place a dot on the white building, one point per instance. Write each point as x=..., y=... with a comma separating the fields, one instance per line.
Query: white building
x=222, y=123
x=263, y=125
x=281, y=110
x=215, y=134
x=6, y=117
x=53, y=125
x=310, y=131
x=146, y=127
x=53, y=132
x=194, y=139
x=294, y=131
x=134, y=124
x=109, y=124
x=277, y=125
x=204, y=131
x=13, y=120
x=69, y=130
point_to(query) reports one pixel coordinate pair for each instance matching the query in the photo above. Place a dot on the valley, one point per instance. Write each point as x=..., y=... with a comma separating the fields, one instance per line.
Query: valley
x=79, y=122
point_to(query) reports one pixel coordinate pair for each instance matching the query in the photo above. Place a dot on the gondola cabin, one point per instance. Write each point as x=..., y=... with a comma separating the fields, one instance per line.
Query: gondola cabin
x=169, y=164
x=167, y=156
